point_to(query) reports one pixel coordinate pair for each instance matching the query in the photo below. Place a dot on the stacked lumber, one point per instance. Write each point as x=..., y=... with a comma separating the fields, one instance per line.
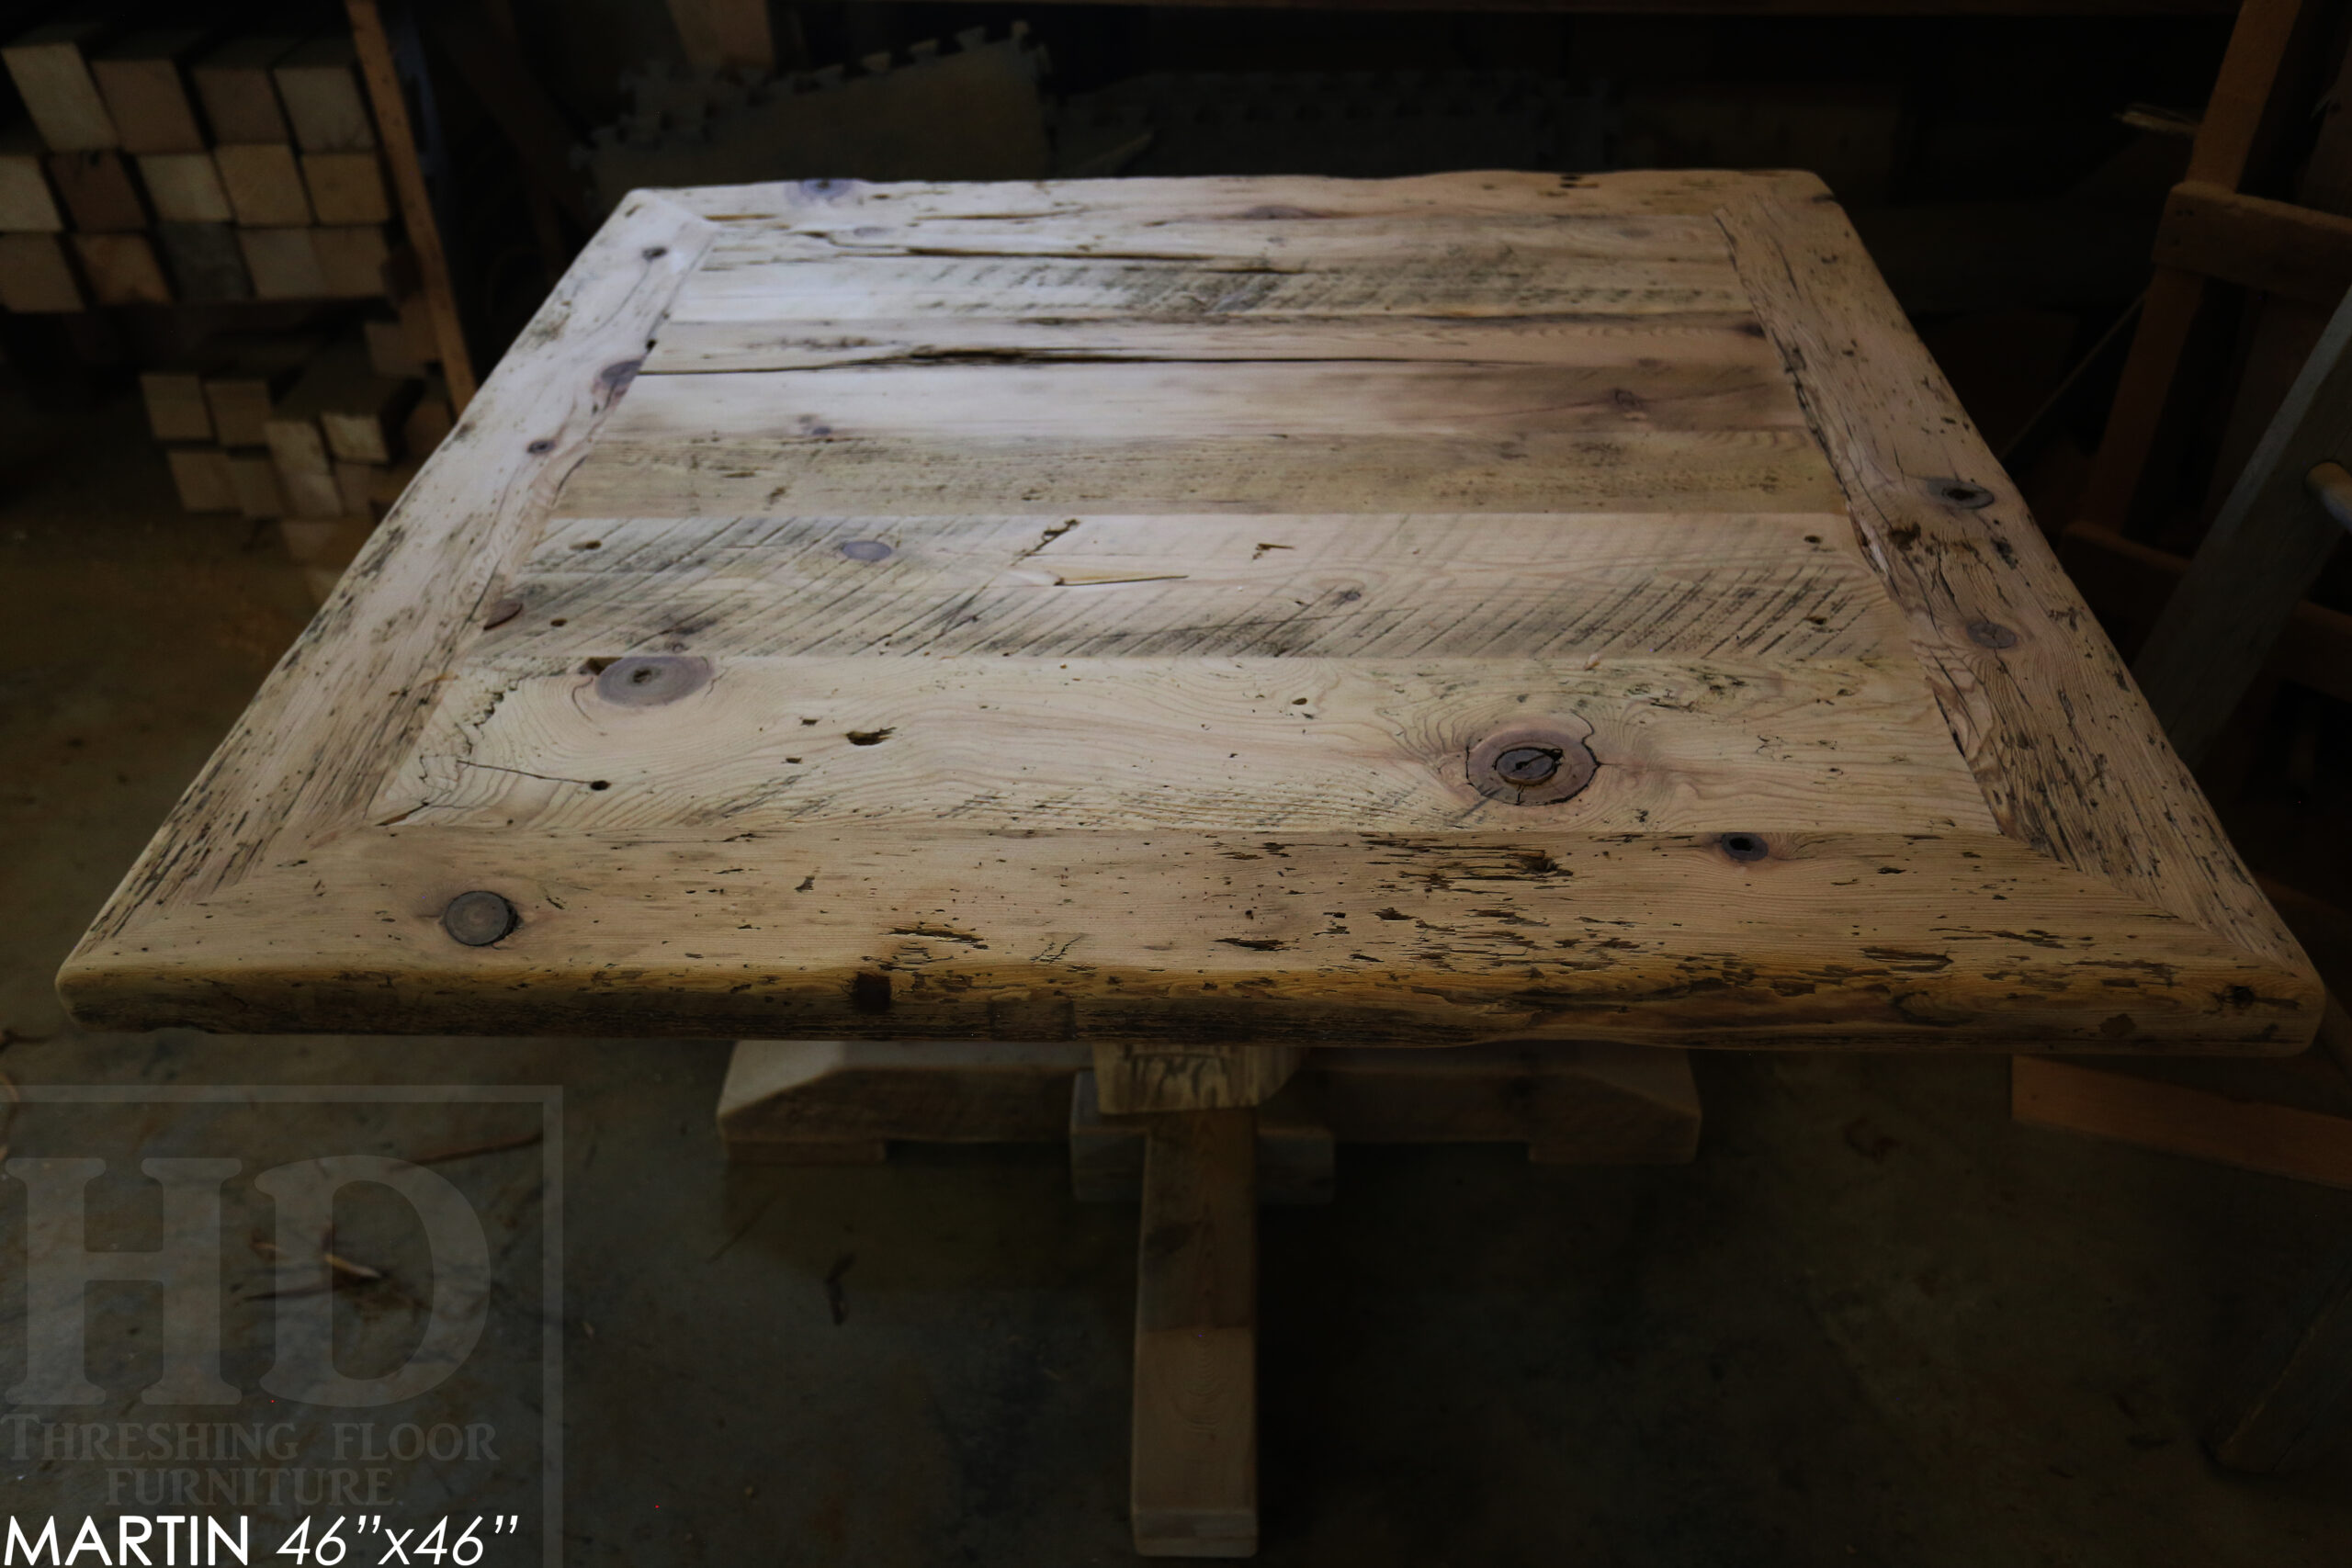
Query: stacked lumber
x=179, y=167
x=317, y=435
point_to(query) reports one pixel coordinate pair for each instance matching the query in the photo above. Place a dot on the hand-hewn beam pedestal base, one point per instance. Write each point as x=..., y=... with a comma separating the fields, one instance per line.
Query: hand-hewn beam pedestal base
x=1200, y=1137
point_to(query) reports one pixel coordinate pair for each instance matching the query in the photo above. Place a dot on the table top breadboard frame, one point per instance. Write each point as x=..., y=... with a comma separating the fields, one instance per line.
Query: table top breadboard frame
x=1075, y=610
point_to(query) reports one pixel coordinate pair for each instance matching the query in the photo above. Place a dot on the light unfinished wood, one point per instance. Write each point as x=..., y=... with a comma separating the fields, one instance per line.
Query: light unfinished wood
x=176, y=406
x=387, y=349
x=1133, y=689
x=2264, y=550
x=348, y=187
x=27, y=204
x=208, y=266
x=242, y=396
x=1193, y=1487
x=263, y=184
x=318, y=85
x=2275, y=246
x=2276, y=1140
x=98, y=191
x=254, y=478
x=283, y=263
x=1189, y=1075
x=50, y=67
x=351, y=259
x=200, y=476
x=1297, y=1163
x=1592, y=1103
x=185, y=188
x=362, y=425
x=146, y=93
x=122, y=269
x=239, y=97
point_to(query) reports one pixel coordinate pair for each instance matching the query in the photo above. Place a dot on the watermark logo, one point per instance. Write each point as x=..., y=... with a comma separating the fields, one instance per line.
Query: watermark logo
x=273, y=1322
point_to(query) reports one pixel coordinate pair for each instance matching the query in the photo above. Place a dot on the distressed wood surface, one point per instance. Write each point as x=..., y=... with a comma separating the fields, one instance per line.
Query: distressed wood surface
x=1073, y=612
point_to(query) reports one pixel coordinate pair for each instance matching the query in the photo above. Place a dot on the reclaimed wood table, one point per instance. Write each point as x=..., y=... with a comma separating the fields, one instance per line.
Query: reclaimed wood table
x=1231, y=630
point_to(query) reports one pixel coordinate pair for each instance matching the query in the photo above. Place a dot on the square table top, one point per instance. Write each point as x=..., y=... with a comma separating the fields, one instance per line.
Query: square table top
x=1410, y=611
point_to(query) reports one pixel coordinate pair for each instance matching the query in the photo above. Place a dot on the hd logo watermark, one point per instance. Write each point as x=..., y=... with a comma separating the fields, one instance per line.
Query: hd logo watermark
x=285, y=1322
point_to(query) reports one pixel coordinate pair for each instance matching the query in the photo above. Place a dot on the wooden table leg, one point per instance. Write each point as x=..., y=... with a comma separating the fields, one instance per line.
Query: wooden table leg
x=1194, y=1486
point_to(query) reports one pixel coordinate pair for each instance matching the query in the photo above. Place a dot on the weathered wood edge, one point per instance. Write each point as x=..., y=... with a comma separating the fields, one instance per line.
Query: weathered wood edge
x=287, y=775
x=1625, y=193
x=1997, y=627
x=352, y=940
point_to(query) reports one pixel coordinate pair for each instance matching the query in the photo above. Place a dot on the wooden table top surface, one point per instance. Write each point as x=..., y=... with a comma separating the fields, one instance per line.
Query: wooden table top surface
x=1488, y=605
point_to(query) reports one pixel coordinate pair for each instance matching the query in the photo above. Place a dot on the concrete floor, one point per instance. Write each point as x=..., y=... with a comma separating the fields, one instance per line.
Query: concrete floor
x=1874, y=1323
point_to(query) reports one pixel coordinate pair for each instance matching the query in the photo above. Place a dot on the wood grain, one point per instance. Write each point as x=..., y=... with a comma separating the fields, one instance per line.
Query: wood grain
x=1091, y=597
x=2174, y=1119
x=1195, y=1484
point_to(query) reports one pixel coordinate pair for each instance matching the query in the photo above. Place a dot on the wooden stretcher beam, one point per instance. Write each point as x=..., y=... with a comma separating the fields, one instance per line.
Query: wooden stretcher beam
x=1194, y=1486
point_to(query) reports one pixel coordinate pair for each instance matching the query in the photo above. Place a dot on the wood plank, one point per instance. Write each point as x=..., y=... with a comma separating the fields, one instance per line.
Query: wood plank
x=1101, y=862
x=2234, y=117
x=50, y=67
x=201, y=476
x=254, y=478
x=2257, y=560
x=27, y=204
x=1170, y=1075
x=348, y=187
x=1634, y=471
x=176, y=406
x=239, y=95
x=264, y=183
x=1596, y=1104
x=1303, y=745
x=350, y=260
x=283, y=263
x=2275, y=246
x=206, y=265
x=122, y=269
x=2136, y=821
x=185, y=188
x=428, y=424
x=2149, y=1113
x=362, y=423
x=1193, y=1491
x=1105, y=403
x=146, y=92
x=388, y=348
x=390, y=107
x=917, y=931
x=1089, y=289
x=1619, y=251
x=318, y=85
x=1725, y=342
x=242, y=396
x=1580, y=588
x=98, y=191
x=554, y=392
